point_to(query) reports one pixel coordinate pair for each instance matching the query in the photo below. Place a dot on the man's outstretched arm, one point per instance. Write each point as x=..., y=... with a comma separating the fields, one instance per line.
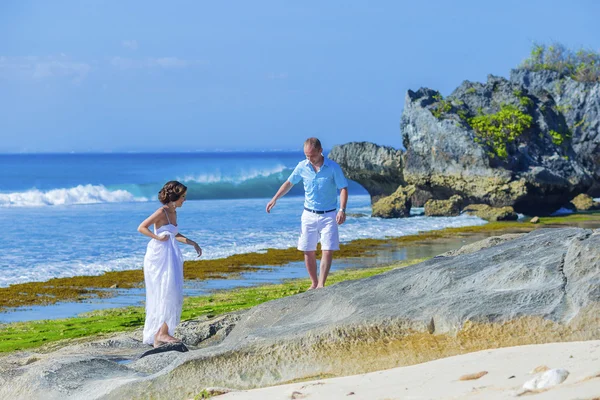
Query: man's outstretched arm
x=287, y=185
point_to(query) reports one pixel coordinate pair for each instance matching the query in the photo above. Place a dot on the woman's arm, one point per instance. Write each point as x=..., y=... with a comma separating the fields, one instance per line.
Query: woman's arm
x=182, y=239
x=154, y=218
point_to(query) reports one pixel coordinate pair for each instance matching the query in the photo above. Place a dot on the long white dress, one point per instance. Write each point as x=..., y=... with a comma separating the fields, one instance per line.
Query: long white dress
x=163, y=275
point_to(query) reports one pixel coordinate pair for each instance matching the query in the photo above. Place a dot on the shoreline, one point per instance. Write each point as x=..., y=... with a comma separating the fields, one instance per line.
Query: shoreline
x=88, y=289
x=110, y=285
x=23, y=335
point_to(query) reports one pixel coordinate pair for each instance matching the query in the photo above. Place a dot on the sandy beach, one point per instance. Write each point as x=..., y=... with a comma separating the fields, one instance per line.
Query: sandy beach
x=507, y=370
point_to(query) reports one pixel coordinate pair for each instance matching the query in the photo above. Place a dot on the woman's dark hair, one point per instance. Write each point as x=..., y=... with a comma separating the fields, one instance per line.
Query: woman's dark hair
x=172, y=191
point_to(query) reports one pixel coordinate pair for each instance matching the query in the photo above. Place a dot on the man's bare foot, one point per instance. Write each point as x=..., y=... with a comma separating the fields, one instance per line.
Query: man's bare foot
x=313, y=286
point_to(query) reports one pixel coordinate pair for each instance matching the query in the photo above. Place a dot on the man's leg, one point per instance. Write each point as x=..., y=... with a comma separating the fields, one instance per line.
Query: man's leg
x=308, y=244
x=310, y=259
x=324, y=267
x=330, y=242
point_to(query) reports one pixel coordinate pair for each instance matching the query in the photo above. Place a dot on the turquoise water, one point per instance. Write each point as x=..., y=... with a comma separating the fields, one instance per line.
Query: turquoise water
x=77, y=214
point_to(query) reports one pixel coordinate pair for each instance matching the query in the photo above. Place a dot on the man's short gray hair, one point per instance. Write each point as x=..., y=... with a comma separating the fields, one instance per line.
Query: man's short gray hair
x=313, y=142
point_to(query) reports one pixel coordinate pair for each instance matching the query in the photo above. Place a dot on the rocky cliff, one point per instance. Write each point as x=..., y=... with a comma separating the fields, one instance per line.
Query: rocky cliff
x=578, y=103
x=531, y=142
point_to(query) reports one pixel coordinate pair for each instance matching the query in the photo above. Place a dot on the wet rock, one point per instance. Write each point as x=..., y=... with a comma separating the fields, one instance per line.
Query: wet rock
x=444, y=208
x=397, y=205
x=583, y=202
x=491, y=214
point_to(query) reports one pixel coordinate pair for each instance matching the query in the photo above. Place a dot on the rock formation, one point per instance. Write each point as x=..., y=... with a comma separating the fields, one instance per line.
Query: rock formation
x=396, y=205
x=531, y=142
x=377, y=168
x=444, y=208
x=577, y=102
x=492, y=214
x=447, y=154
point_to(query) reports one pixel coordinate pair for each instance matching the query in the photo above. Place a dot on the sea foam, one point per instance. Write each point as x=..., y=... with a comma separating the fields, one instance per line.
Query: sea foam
x=81, y=194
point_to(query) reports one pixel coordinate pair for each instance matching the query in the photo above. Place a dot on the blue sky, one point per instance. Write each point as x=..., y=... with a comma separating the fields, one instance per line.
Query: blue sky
x=197, y=75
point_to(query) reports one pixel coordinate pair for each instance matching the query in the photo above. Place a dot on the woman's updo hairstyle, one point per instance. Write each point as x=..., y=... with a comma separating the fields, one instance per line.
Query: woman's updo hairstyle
x=172, y=191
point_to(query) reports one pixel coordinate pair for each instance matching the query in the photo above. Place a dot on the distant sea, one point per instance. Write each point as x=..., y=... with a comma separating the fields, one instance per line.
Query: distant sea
x=77, y=214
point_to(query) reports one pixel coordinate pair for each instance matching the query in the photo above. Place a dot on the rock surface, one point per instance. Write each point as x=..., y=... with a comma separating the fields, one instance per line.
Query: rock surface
x=577, y=102
x=444, y=208
x=583, y=202
x=491, y=213
x=377, y=168
x=543, y=286
x=445, y=156
x=396, y=205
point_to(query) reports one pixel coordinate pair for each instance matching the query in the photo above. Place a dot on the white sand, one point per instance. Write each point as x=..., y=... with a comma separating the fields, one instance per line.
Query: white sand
x=439, y=379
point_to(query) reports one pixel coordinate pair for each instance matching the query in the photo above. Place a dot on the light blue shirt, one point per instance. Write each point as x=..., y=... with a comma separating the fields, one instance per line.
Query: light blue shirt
x=320, y=188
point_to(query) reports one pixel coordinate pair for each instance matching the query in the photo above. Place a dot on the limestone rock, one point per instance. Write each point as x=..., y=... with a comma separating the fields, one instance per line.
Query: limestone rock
x=444, y=208
x=397, y=205
x=577, y=103
x=492, y=214
x=445, y=156
x=535, y=220
x=377, y=168
x=583, y=202
x=482, y=244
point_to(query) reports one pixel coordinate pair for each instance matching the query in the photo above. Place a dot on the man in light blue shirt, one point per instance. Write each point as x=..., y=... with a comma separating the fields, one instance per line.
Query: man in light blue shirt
x=322, y=179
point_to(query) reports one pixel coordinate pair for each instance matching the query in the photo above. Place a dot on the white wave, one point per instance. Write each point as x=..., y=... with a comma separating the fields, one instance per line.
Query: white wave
x=219, y=177
x=82, y=194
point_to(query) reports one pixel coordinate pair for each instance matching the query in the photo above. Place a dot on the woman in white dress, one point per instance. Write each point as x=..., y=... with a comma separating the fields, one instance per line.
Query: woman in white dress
x=163, y=267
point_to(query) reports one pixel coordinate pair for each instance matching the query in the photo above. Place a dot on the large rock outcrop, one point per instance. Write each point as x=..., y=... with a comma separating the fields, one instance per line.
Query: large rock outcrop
x=377, y=168
x=543, y=286
x=538, y=170
x=577, y=102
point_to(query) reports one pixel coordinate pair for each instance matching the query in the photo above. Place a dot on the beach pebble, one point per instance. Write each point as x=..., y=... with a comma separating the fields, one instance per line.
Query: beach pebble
x=471, y=377
x=547, y=380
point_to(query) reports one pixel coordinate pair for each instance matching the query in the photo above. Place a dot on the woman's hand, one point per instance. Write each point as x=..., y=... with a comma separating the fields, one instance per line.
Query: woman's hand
x=162, y=238
x=198, y=249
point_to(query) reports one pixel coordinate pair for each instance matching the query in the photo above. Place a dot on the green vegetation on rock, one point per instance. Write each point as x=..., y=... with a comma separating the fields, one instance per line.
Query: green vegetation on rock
x=441, y=106
x=583, y=65
x=559, y=138
x=524, y=100
x=498, y=130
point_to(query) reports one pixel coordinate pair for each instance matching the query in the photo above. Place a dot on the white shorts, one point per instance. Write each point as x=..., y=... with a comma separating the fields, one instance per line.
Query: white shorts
x=319, y=226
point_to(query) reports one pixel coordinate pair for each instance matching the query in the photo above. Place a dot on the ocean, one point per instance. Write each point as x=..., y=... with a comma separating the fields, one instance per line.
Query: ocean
x=77, y=214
